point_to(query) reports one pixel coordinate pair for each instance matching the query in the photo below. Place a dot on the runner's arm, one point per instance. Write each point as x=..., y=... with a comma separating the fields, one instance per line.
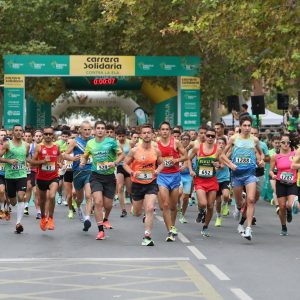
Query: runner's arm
x=128, y=160
x=296, y=161
x=272, y=166
x=4, y=150
x=66, y=155
x=182, y=151
x=223, y=156
x=190, y=158
x=34, y=160
x=261, y=162
x=160, y=162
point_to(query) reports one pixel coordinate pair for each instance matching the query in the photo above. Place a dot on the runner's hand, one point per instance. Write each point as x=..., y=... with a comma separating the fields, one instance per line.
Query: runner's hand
x=76, y=157
x=13, y=161
x=192, y=173
x=233, y=167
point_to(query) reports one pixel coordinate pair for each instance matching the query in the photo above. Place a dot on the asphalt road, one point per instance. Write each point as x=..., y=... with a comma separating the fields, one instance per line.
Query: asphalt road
x=70, y=264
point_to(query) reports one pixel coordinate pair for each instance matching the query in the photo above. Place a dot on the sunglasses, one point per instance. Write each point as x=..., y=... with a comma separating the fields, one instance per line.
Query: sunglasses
x=285, y=143
x=48, y=133
x=212, y=136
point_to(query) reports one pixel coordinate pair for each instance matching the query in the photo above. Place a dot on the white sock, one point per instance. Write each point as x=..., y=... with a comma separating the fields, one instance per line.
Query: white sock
x=26, y=204
x=86, y=218
x=20, y=211
x=38, y=211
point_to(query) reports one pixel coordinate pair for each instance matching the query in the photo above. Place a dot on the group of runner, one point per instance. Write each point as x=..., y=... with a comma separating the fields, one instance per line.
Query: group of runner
x=98, y=163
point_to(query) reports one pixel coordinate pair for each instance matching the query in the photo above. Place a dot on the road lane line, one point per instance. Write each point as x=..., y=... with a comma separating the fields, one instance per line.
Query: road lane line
x=241, y=294
x=196, y=252
x=95, y=259
x=217, y=272
x=183, y=238
x=159, y=218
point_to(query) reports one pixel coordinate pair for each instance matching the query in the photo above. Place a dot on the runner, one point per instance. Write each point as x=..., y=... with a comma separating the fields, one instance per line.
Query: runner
x=104, y=151
x=219, y=128
x=28, y=140
x=16, y=153
x=48, y=157
x=169, y=178
x=223, y=178
x=81, y=176
x=243, y=164
x=143, y=159
x=205, y=180
x=286, y=188
x=186, y=181
x=123, y=178
x=4, y=214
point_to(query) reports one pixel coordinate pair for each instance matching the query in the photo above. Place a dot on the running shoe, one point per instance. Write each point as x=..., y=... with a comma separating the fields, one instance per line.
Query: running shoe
x=80, y=215
x=182, y=220
x=51, y=225
x=272, y=202
x=240, y=229
x=70, y=214
x=74, y=204
x=19, y=228
x=295, y=209
x=174, y=230
x=289, y=216
x=38, y=216
x=86, y=225
x=100, y=235
x=107, y=225
x=190, y=202
x=26, y=211
x=7, y=215
x=205, y=232
x=65, y=202
x=236, y=213
x=43, y=224
x=284, y=233
x=123, y=213
x=59, y=200
x=247, y=234
x=200, y=216
x=170, y=237
x=225, y=210
x=218, y=222
x=147, y=241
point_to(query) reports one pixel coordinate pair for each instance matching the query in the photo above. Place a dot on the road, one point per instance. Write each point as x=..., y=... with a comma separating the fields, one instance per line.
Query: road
x=70, y=264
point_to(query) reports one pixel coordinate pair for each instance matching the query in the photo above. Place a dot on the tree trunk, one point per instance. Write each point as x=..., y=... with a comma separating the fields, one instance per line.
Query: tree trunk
x=215, y=111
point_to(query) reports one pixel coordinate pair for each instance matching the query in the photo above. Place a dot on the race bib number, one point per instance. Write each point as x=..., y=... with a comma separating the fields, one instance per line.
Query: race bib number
x=286, y=177
x=168, y=162
x=18, y=167
x=145, y=175
x=206, y=172
x=102, y=166
x=2, y=167
x=243, y=160
x=48, y=167
x=69, y=165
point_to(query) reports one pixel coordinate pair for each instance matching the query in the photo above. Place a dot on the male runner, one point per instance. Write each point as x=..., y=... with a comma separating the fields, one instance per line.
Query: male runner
x=28, y=140
x=15, y=153
x=169, y=178
x=141, y=164
x=3, y=212
x=104, y=151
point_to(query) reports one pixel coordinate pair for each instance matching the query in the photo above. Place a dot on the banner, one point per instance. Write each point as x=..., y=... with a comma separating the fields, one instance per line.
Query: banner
x=14, y=81
x=40, y=113
x=166, y=111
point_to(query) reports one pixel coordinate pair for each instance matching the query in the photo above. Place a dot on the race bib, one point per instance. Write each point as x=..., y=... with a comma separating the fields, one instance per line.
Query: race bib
x=18, y=166
x=168, y=161
x=287, y=178
x=243, y=160
x=146, y=175
x=2, y=167
x=48, y=167
x=102, y=166
x=206, y=172
x=69, y=165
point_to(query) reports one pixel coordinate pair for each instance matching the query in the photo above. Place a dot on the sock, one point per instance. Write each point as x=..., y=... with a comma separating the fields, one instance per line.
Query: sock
x=38, y=211
x=284, y=228
x=20, y=211
x=243, y=219
x=205, y=227
x=147, y=233
x=26, y=204
x=86, y=218
x=100, y=226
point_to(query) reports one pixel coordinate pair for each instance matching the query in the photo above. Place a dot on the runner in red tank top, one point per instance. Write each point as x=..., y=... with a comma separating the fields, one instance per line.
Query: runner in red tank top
x=169, y=179
x=47, y=157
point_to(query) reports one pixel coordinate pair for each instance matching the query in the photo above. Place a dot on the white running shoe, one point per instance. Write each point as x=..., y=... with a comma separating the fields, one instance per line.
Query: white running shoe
x=65, y=202
x=247, y=234
x=236, y=213
x=59, y=200
x=240, y=229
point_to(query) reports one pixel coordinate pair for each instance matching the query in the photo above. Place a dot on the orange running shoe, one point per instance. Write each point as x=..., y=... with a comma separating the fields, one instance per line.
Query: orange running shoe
x=7, y=215
x=107, y=225
x=100, y=235
x=43, y=223
x=51, y=224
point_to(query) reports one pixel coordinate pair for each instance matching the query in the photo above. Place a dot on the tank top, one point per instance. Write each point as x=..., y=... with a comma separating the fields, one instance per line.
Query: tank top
x=49, y=170
x=145, y=163
x=126, y=149
x=284, y=172
x=204, y=166
x=31, y=152
x=79, y=150
x=168, y=153
x=243, y=154
x=223, y=174
x=2, y=164
x=19, y=153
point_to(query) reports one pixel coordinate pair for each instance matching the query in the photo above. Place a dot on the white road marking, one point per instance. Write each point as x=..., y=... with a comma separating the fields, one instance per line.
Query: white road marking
x=95, y=259
x=217, y=272
x=196, y=252
x=159, y=218
x=241, y=294
x=183, y=238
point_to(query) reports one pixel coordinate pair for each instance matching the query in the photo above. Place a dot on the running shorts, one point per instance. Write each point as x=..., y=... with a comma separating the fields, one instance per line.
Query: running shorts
x=44, y=185
x=186, y=182
x=80, y=179
x=120, y=170
x=225, y=185
x=284, y=190
x=139, y=190
x=170, y=181
x=15, y=185
x=206, y=184
x=103, y=183
x=68, y=176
